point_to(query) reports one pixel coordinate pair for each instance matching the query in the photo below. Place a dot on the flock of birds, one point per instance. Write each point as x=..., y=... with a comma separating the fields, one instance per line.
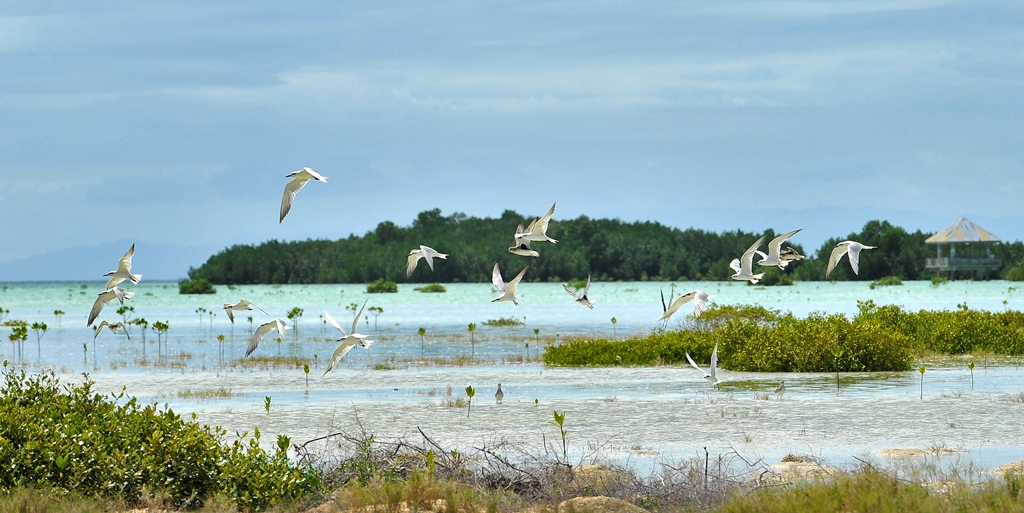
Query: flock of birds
x=522, y=239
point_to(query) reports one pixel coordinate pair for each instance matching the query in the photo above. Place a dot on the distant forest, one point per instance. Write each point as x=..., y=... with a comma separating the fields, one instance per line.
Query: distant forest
x=607, y=249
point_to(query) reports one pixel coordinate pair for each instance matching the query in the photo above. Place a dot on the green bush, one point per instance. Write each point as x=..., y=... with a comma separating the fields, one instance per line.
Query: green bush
x=196, y=286
x=433, y=287
x=67, y=438
x=886, y=281
x=756, y=339
x=503, y=322
x=380, y=285
x=1015, y=273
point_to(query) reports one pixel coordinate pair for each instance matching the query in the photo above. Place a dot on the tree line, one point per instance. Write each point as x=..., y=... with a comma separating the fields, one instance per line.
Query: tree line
x=606, y=249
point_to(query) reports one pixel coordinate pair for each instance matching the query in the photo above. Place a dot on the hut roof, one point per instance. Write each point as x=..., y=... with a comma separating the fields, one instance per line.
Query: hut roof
x=963, y=230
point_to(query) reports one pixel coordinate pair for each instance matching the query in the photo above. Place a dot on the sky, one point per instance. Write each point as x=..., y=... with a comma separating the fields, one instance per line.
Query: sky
x=173, y=124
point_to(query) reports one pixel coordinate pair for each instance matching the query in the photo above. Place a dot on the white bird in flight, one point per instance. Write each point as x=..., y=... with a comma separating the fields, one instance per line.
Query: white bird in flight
x=105, y=297
x=774, y=257
x=241, y=306
x=264, y=330
x=744, y=265
x=847, y=246
x=711, y=376
x=583, y=300
x=538, y=229
x=426, y=253
x=699, y=298
x=507, y=291
x=522, y=246
x=348, y=340
x=112, y=327
x=124, y=270
x=298, y=181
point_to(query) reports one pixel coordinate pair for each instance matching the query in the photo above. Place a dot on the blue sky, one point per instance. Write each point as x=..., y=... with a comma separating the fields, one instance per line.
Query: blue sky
x=173, y=124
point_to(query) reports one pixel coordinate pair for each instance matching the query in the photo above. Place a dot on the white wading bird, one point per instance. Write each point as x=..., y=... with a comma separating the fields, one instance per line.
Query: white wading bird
x=744, y=265
x=847, y=246
x=124, y=270
x=112, y=327
x=583, y=300
x=699, y=298
x=105, y=297
x=428, y=254
x=538, y=229
x=298, y=181
x=241, y=306
x=711, y=376
x=348, y=340
x=774, y=256
x=264, y=330
x=781, y=389
x=507, y=291
x=522, y=246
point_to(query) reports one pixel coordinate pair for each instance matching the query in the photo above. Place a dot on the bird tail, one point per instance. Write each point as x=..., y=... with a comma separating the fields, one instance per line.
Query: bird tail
x=135, y=278
x=757, y=277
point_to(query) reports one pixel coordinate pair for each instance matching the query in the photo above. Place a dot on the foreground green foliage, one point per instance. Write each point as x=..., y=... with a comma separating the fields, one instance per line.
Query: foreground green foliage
x=753, y=338
x=67, y=438
x=872, y=490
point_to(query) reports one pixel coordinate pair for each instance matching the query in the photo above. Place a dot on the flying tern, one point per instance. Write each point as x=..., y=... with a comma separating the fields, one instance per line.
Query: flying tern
x=583, y=300
x=105, y=297
x=538, y=229
x=124, y=270
x=264, y=330
x=426, y=253
x=241, y=306
x=743, y=265
x=710, y=375
x=348, y=340
x=774, y=257
x=847, y=246
x=298, y=181
x=507, y=290
x=112, y=327
x=699, y=298
x=522, y=246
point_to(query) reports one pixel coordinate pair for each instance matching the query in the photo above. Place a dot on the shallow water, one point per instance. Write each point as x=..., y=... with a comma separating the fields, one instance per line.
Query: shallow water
x=639, y=414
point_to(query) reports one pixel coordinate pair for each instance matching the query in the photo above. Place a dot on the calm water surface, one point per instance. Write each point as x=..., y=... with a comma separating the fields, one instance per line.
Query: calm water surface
x=638, y=414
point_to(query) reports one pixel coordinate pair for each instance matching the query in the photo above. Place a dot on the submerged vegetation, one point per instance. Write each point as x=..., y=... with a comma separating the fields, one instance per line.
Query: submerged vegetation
x=606, y=249
x=753, y=338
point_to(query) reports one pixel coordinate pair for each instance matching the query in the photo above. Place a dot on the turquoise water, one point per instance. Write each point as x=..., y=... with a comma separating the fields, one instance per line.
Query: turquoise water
x=639, y=414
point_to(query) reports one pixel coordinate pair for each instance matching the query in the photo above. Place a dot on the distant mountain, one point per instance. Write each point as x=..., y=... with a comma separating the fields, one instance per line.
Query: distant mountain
x=155, y=262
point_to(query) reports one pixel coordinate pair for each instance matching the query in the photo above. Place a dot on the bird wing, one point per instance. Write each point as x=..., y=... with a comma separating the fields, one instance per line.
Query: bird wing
x=679, y=302
x=515, y=281
x=261, y=332
x=586, y=291
x=427, y=256
x=837, y=253
x=854, y=252
x=314, y=175
x=410, y=265
x=231, y=314
x=497, y=281
x=775, y=246
x=290, y=190
x=355, y=322
x=694, y=364
x=747, y=260
x=250, y=304
x=125, y=328
x=330, y=319
x=735, y=265
x=700, y=302
x=664, y=307
x=571, y=292
x=125, y=264
x=101, y=300
x=541, y=224
x=714, y=363
x=339, y=353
